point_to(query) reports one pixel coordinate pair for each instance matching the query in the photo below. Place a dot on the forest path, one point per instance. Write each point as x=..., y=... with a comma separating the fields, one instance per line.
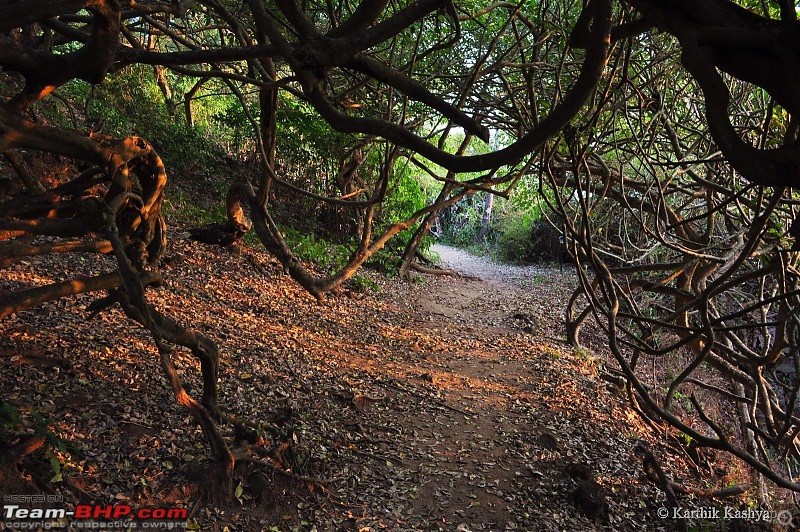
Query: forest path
x=527, y=298
x=483, y=373
x=513, y=407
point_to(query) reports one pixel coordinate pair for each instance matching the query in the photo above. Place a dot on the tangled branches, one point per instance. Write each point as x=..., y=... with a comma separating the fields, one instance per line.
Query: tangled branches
x=112, y=206
x=691, y=271
x=680, y=210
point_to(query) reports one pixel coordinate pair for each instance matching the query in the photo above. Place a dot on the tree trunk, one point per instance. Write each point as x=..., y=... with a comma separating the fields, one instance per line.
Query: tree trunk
x=411, y=249
x=486, y=220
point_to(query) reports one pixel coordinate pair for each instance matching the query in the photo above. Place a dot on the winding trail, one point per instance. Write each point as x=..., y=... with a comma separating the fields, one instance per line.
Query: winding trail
x=516, y=407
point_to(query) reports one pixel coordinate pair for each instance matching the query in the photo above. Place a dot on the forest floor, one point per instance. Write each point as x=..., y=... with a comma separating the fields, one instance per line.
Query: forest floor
x=446, y=403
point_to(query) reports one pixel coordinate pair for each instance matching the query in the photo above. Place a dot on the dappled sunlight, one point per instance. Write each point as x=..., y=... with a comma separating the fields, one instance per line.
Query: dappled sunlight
x=374, y=391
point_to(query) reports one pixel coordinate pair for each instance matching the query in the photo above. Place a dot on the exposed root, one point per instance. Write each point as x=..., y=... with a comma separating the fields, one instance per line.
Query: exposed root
x=438, y=271
x=10, y=477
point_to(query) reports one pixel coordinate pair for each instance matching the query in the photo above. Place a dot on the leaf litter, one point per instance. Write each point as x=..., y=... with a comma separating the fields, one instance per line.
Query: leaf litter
x=427, y=405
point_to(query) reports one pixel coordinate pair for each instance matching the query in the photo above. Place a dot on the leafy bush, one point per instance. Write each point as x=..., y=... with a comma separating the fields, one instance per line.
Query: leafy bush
x=518, y=230
x=130, y=102
x=462, y=223
x=183, y=209
x=405, y=199
x=311, y=248
x=363, y=283
x=515, y=243
x=523, y=240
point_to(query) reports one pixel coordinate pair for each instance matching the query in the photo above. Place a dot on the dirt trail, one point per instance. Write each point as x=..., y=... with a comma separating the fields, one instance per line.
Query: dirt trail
x=519, y=408
x=534, y=294
x=483, y=380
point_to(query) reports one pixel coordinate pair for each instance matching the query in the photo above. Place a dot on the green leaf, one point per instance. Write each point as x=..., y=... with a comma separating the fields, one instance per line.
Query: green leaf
x=56, y=467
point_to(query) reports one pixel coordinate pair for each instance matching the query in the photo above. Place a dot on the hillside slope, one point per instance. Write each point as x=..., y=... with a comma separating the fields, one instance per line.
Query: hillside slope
x=426, y=405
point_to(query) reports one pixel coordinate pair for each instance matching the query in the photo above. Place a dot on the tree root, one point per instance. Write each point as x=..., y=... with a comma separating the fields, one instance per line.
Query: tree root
x=654, y=471
x=10, y=477
x=731, y=491
x=25, y=299
x=273, y=468
x=438, y=271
